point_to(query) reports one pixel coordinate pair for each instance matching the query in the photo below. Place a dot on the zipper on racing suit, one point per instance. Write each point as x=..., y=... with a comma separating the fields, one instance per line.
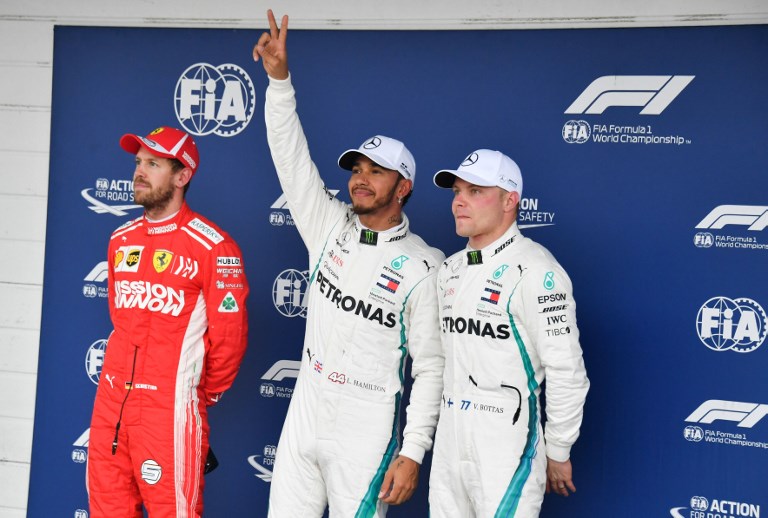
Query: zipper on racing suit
x=129, y=388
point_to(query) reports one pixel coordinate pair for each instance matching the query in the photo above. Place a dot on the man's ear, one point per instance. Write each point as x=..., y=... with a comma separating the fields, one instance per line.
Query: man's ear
x=404, y=187
x=511, y=201
x=184, y=176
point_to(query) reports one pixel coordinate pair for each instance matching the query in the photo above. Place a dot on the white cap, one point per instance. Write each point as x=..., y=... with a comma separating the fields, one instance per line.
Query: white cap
x=385, y=151
x=485, y=168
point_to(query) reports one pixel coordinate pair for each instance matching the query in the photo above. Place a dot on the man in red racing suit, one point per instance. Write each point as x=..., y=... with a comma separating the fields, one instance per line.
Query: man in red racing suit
x=177, y=294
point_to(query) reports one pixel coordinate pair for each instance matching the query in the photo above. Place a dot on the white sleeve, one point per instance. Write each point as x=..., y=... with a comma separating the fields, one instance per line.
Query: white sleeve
x=313, y=208
x=427, y=369
x=556, y=340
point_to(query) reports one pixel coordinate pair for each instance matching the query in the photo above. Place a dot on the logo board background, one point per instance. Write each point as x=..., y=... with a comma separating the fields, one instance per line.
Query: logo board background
x=623, y=224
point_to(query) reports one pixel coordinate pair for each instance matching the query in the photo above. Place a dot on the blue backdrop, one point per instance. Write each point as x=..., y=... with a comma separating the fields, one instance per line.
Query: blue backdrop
x=644, y=157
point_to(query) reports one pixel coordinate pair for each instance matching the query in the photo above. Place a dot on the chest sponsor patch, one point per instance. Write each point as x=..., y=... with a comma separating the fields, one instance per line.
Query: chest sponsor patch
x=185, y=267
x=229, y=304
x=490, y=295
x=161, y=259
x=206, y=230
x=128, y=258
x=388, y=283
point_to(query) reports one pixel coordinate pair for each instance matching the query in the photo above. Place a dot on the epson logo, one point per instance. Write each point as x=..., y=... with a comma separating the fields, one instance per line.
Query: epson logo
x=653, y=93
x=554, y=297
x=746, y=415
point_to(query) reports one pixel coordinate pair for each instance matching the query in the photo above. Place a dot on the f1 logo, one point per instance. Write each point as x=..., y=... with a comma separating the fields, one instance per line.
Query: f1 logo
x=746, y=414
x=753, y=216
x=654, y=93
x=282, y=369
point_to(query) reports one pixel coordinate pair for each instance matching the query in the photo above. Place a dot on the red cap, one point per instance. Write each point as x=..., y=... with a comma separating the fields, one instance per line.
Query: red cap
x=167, y=143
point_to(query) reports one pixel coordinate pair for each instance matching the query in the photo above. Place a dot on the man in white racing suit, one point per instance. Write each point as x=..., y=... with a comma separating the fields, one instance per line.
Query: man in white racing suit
x=508, y=323
x=371, y=302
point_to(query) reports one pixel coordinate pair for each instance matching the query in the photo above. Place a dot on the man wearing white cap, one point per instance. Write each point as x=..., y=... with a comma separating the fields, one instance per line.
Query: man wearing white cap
x=508, y=322
x=371, y=303
x=180, y=333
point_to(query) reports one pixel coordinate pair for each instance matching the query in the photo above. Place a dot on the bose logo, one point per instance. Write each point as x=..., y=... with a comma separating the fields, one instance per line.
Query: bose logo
x=282, y=369
x=753, y=216
x=654, y=93
x=746, y=414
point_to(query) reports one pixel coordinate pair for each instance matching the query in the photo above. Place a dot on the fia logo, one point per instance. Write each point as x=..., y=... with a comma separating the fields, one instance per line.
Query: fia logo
x=218, y=100
x=703, y=240
x=576, y=132
x=737, y=325
x=289, y=293
x=94, y=359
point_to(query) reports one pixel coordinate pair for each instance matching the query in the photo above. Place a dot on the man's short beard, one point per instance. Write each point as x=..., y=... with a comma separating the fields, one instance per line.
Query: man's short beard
x=155, y=200
x=362, y=211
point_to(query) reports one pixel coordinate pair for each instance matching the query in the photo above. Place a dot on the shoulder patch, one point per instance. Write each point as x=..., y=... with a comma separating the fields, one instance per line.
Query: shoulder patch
x=127, y=227
x=128, y=224
x=206, y=230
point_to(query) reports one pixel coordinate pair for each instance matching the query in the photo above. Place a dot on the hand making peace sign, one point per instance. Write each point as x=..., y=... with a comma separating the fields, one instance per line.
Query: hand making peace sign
x=271, y=48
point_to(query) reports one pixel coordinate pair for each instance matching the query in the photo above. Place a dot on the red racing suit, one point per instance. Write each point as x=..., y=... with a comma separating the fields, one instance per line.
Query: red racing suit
x=177, y=293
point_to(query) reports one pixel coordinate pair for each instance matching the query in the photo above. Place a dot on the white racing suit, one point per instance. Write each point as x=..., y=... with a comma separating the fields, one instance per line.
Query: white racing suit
x=371, y=302
x=508, y=323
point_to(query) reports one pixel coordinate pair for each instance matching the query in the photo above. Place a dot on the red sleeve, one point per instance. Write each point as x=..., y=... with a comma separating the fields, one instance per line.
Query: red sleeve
x=111, y=280
x=225, y=290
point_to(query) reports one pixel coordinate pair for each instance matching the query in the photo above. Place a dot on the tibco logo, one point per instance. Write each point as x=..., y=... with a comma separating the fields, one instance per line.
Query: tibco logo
x=653, y=93
x=289, y=293
x=210, y=99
